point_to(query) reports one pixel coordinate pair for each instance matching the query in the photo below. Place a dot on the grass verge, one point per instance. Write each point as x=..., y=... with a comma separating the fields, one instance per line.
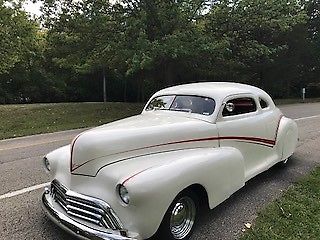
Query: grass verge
x=22, y=120
x=295, y=215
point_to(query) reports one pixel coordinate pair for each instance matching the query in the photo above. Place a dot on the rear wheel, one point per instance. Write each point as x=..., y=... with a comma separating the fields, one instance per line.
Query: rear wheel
x=181, y=217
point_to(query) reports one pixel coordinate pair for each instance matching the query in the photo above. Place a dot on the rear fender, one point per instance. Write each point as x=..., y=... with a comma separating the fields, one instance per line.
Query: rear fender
x=287, y=139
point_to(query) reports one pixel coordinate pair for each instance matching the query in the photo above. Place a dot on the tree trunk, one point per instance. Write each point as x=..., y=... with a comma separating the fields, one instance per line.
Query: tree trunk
x=168, y=74
x=104, y=86
x=125, y=90
x=141, y=87
x=143, y=91
x=261, y=80
x=139, y=84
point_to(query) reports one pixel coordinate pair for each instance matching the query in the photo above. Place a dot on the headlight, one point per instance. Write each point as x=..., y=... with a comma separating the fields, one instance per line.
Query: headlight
x=46, y=164
x=124, y=194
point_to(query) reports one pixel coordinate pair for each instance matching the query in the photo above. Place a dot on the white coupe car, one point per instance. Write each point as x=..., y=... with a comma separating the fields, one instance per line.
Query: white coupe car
x=192, y=146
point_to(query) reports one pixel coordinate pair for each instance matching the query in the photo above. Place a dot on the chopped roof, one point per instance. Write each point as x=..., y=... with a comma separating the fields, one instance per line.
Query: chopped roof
x=217, y=90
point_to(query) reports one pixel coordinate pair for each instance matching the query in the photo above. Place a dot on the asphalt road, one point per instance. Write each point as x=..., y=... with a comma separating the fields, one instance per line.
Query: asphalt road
x=21, y=216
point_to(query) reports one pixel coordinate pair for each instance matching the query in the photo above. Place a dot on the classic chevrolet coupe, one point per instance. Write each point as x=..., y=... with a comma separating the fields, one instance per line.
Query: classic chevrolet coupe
x=191, y=147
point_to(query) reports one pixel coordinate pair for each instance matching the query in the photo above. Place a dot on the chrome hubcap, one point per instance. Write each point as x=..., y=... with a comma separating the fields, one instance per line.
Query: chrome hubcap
x=182, y=218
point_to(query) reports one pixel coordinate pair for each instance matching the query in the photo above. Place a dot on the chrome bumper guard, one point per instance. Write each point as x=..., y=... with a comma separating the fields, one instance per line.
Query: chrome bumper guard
x=76, y=228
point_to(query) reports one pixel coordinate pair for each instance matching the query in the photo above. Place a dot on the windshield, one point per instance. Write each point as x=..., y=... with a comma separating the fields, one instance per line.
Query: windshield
x=191, y=104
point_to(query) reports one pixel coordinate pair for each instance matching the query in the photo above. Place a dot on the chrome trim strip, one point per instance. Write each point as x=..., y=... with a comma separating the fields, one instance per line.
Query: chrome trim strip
x=85, y=205
x=75, y=228
x=92, y=220
x=76, y=209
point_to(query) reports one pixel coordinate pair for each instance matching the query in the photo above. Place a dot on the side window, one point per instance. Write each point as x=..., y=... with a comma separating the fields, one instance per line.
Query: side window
x=263, y=103
x=239, y=106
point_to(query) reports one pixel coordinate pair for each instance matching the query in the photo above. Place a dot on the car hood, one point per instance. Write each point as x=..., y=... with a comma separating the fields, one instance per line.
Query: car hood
x=141, y=135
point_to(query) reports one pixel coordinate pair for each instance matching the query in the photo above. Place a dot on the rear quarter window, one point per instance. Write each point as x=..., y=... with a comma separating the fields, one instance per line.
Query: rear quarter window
x=263, y=103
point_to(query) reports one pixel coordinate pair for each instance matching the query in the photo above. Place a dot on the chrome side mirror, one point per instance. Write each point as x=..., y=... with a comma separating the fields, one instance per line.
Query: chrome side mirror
x=230, y=107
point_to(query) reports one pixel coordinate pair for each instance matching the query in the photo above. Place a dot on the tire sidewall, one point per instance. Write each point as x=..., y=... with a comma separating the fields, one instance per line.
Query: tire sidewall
x=164, y=231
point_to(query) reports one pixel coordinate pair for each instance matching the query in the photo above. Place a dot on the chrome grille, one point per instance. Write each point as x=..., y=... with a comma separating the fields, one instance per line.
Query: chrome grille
x=87, y=208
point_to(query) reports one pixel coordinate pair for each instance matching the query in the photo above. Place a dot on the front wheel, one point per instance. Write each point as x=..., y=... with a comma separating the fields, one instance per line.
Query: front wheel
x=180, y=218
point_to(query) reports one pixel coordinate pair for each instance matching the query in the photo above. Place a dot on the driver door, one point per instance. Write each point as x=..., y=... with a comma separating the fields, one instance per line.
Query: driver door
x=241, y=125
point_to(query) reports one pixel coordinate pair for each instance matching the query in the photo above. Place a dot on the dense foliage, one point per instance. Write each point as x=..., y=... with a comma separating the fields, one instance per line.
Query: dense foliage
x=140, y=46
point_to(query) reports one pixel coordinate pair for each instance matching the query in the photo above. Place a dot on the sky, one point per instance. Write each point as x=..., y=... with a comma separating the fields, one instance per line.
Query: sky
x=33, y=8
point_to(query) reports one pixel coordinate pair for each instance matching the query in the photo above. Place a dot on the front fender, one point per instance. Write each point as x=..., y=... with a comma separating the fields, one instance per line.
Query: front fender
x=219, y=170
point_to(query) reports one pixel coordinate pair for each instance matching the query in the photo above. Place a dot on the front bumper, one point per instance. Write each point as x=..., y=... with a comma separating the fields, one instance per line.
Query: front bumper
x=74, y=227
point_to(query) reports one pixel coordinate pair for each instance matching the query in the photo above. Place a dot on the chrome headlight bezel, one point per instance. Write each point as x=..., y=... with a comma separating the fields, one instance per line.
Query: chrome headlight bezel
x=123, y=194
x=46, y=164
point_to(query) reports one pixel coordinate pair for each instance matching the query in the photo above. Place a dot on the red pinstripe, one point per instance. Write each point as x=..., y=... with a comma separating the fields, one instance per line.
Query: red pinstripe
x=72, y=151
x=129, y=178
x=254, y=140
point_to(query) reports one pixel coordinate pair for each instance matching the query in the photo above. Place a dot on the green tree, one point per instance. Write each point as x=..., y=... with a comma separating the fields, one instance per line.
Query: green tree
x=256, y=33
x=82, y=35
x=164, y=43
x=142, y=46
x=313, y=10
x=21, y=58
x=16, y=34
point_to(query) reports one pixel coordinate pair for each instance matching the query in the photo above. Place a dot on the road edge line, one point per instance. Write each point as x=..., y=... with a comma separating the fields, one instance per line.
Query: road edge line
x=305, y=118
x=24, y=190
